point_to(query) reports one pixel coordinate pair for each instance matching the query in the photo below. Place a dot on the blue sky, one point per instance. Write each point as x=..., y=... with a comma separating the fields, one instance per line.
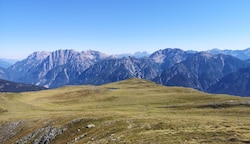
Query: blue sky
x=122, y=26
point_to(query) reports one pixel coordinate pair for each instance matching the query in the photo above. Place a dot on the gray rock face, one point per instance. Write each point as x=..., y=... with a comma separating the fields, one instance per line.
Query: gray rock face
x=53, y=69
x=168, y=57
x=111, y=70
x=9, y=130
x=24, y=71
x=42, y=135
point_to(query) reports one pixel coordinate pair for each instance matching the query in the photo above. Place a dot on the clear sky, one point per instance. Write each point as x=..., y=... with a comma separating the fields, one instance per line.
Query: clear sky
x=122, y=26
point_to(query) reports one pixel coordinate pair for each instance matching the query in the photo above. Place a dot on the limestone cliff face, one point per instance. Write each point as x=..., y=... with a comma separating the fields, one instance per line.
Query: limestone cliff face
x=53, y=69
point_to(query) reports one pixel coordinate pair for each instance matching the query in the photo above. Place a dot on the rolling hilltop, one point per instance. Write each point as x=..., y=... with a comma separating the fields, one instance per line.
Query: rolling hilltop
x=129, y=111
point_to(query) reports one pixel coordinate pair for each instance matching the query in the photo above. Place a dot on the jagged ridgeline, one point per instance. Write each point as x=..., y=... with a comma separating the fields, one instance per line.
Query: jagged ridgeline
x=129, y=111
x=205, y=71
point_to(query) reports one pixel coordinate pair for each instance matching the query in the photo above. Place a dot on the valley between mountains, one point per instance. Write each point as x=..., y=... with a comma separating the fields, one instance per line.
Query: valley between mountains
x=126, y=112
x=214, y=71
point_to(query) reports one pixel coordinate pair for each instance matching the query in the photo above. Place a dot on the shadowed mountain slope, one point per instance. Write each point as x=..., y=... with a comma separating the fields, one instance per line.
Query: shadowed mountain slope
x=200, y=71
x=236, y=83
x=8, y=86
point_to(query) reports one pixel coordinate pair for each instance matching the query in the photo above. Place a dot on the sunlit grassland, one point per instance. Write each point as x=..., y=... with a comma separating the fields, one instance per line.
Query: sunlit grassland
x=135, y=111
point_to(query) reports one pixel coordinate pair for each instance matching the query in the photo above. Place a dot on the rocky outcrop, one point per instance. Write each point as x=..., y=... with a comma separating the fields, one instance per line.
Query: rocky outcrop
x=42, y=135
x=8, y=130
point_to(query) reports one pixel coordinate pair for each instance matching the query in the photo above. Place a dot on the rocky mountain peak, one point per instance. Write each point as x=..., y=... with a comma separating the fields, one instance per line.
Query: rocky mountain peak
x=91, y=54
x=38, y=55
x=60, y=57
x=168, y=57
x=160, y=55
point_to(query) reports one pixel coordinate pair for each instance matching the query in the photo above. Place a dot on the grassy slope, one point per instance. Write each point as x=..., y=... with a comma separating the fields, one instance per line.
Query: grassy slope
x=131, y=111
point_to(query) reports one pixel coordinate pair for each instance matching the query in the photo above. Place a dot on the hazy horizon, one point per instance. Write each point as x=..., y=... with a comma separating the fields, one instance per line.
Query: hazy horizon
x=17, y=59
x=124, y=26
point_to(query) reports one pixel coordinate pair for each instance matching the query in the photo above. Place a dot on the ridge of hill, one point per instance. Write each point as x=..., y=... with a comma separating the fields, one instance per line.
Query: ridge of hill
x=8, y=86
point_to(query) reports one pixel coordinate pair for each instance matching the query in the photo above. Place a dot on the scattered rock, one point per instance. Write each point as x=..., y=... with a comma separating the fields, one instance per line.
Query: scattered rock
x=44, y=135
x=9, y=130
x=77, y=139
x=90, y=126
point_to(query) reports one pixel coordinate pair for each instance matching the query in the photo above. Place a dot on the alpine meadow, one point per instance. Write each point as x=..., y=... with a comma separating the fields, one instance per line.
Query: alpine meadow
x=124, y=72
x=129, y=111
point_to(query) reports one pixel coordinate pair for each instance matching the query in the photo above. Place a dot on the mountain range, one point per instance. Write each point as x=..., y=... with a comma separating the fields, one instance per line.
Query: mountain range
x=213, y=71
x=240, y=54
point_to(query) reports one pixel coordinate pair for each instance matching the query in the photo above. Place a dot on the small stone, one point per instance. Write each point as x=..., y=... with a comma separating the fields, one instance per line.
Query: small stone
x=90, y=126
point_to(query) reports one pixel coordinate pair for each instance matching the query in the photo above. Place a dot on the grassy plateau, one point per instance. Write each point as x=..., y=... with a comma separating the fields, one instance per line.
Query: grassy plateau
x=129, y=111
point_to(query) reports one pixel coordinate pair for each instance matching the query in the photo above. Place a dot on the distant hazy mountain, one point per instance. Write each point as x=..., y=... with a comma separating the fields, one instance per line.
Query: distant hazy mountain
x=8, y=86
x=240, y=54
x=141, y=54
x=136, y=54
x=200, y=70
x=3, y=73
x=5, y=63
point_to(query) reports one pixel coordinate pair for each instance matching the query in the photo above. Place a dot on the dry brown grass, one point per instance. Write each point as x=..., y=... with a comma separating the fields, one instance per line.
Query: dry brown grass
x=131, y=111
